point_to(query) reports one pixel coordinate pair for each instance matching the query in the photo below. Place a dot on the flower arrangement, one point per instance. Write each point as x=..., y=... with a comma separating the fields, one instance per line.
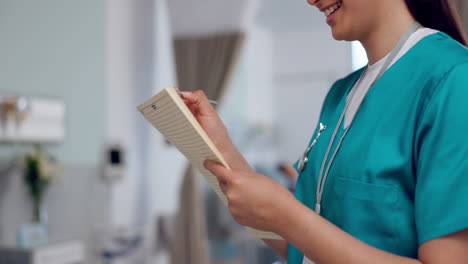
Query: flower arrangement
x=39, y=172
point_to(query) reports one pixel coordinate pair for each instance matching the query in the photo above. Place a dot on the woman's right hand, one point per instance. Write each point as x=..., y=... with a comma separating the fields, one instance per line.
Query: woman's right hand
x=206, y=116
x=214, y=127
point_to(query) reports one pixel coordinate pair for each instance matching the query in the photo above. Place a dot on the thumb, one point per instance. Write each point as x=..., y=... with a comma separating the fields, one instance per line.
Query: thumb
x=198, y=99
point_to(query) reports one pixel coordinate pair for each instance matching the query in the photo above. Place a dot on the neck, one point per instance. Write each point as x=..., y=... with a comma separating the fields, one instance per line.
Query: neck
x=385, y=35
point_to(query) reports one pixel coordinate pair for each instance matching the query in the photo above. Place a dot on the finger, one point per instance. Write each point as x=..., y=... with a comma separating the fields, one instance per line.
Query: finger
x=192, y=108
x=222, y=173
x=223, y=186
x=197, y=98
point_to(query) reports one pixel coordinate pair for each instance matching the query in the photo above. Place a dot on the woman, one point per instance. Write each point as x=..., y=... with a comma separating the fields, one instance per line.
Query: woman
x=385, y=177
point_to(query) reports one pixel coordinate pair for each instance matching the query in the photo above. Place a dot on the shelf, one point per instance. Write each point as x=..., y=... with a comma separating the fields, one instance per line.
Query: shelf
x=37, y=120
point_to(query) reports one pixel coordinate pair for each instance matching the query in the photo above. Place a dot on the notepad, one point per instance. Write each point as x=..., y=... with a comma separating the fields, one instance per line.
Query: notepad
x=167, y=112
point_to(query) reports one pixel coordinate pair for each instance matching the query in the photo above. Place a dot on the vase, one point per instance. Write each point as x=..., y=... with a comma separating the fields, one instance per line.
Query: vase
x=39, y=212
x=35, y=233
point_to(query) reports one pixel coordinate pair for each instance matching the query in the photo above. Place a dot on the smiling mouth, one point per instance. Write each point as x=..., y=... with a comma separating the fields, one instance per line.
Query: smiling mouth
x=332, y=9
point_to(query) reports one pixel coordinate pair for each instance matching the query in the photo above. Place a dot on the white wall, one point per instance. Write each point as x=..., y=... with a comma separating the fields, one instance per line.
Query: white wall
x=49, y=49
x=119, y=110
x=260, y=68
x=167, y=163
x=307, y=62
x=208, y=16
x=290, y=62
x=140, y=63
x=55, y=48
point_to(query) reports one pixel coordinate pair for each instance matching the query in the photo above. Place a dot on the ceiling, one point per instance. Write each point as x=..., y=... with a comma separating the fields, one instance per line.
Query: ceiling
x=289, y=14
x=195, y=17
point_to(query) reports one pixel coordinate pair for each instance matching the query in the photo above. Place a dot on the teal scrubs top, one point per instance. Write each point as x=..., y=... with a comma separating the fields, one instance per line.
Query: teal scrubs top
x=400, y=177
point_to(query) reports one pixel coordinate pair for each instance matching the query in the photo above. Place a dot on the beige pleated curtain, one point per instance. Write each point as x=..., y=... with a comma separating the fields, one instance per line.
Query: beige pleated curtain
x=206, y=63
x=202, y=63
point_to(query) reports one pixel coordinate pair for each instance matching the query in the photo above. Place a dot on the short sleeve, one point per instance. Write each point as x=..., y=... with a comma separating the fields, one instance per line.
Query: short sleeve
x=441, y=194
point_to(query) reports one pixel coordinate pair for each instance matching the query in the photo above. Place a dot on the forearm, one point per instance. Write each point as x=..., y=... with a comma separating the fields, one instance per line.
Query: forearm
x=323, y=242
x=279, y=246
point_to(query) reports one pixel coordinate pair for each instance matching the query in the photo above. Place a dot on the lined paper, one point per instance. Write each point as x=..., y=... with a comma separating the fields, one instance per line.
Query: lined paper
x=167, y=112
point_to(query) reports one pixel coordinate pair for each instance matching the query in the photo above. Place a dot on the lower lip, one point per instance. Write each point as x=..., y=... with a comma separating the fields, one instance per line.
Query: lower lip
x=332, y=16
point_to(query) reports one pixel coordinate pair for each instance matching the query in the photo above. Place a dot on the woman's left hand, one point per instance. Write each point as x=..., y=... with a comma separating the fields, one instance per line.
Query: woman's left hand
x=254, y=200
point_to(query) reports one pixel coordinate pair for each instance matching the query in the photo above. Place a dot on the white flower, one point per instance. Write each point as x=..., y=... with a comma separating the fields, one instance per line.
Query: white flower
x=48, y=168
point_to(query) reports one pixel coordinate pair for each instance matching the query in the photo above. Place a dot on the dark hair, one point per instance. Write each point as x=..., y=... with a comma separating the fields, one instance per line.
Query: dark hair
x=438, y=14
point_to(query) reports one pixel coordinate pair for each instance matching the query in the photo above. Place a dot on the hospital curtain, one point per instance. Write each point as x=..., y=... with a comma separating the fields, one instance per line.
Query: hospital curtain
x=202, y=63
x=206, y=63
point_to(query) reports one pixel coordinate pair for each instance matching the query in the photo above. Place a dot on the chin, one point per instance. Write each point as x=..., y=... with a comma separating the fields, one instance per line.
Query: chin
x=341, y=34
x=338, y=35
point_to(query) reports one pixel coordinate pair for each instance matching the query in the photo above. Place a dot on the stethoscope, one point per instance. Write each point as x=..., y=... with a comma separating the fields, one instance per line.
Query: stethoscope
x=324, y=171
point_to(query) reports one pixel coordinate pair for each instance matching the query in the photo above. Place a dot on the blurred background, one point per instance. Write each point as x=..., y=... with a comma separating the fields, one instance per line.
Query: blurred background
x=85, y=179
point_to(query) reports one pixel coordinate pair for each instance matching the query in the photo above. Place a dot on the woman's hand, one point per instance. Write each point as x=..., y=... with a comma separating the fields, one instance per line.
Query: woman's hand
x=206, y=115
x=214, y=127
x=254, y=199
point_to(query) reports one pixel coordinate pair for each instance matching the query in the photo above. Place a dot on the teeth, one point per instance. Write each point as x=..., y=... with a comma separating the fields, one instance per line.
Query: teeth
x=332, y=9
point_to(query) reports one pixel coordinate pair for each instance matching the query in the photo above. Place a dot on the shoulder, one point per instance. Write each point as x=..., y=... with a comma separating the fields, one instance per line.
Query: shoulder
x=452, y=85
x=436, y=59
x=438, y=54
